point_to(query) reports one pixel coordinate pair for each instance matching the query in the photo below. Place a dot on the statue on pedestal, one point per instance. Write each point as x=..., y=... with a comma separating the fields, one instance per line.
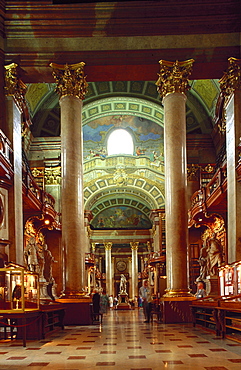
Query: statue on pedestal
x=211, y=257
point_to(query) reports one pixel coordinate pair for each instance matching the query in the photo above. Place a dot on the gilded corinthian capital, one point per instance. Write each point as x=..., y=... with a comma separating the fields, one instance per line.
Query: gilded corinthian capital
x=134, y=246
x=231, y=79
x=173, y=76
x=14, y=86
x=108, y=246
x=70, y=79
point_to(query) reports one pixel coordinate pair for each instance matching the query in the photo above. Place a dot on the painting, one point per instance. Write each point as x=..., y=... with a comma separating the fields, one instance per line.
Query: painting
x=121, y=217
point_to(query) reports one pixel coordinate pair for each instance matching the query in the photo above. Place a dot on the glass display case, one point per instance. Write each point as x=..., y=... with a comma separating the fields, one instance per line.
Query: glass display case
x=19, y=289
x=230, y=279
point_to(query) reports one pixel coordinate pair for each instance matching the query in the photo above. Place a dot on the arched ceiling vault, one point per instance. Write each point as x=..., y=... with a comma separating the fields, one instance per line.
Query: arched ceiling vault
x=43, y=103
x=135, y=195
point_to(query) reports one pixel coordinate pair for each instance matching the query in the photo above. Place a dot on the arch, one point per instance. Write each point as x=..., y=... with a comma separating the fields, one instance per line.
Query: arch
x=43, y=103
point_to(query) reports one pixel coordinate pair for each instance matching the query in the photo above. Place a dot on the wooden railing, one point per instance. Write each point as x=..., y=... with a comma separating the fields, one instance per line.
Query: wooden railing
x=40, y=199
x=5, y=147
x=208, y=195
x=6, y=160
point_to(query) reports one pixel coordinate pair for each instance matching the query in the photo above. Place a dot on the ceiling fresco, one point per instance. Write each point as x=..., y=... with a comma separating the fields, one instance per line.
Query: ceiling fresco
x=145, y=133
x=121, y=217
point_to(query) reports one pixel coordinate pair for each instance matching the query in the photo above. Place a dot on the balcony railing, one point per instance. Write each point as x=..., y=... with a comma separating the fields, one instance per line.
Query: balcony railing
x=113, y=161
x=5, y=147
x=40, y=199
x=6, y=159
x=208, y=195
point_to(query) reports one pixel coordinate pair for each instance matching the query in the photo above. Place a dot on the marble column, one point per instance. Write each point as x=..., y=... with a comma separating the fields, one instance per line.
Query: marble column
x=71, y=86
x=230, y=86
x=130, y=275
x=108, y=268
x=15, y=106
x=94, y=268
x=134, y=269
x=172, y=84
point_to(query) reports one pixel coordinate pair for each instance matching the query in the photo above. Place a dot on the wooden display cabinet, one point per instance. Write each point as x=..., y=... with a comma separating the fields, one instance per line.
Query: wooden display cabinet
x=205, y=314
x=230, y=279
x=19, y=289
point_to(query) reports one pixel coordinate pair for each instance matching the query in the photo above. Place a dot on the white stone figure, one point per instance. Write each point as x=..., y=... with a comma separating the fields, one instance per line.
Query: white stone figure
x=214, y=255
x=123, y=284
x=48, y=260
x=30, y=254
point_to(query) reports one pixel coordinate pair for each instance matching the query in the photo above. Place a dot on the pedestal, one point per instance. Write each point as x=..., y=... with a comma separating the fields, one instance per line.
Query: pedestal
x=176, y=310
x=212, y=286
x=123, y=302
x=77, y=311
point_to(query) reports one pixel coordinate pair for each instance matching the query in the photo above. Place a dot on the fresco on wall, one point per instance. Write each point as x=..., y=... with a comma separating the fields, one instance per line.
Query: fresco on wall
x=146, y=134
x=121, y=217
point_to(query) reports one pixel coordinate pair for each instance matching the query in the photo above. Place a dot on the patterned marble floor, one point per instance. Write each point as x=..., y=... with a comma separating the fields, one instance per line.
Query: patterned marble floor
x=123, y=342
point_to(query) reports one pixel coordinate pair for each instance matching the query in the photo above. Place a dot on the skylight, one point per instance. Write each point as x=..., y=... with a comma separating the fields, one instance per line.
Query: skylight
x=120, y=142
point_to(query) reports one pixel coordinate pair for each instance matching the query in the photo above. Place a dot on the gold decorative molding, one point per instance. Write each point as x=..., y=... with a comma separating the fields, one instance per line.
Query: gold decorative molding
x=134, y=246
x=175, y=293
x=70, y=79
x=231, y=79
x=14, y=86
x=193, y=172
x=52, y=175
x=173, y=76
x=93, y=247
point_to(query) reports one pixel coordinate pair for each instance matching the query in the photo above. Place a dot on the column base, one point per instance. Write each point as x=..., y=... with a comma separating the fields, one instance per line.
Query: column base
x=77, y=310
x=176, y=310
x=175, y=293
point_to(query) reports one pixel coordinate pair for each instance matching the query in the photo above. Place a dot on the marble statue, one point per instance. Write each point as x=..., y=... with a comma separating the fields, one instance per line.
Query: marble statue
x=122, y=284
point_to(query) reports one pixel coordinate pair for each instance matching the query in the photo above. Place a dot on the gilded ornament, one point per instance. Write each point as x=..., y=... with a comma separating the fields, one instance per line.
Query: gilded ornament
x=36, y=172
x=108, y=246
x=193, y=172
x=173, y=77
x=231, y=79
x=52, y=175
x=209, y=168
x=134, y=246
x=70, y=79
x=14, y=86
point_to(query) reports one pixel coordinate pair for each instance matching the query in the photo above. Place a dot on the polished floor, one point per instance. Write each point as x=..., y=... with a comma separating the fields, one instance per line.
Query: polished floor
x=123, y=342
